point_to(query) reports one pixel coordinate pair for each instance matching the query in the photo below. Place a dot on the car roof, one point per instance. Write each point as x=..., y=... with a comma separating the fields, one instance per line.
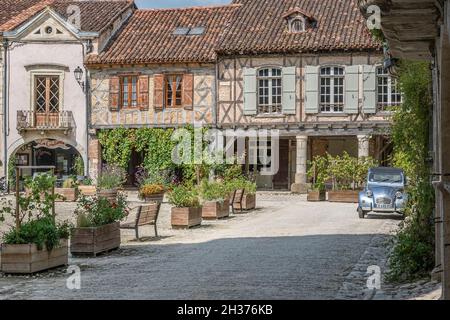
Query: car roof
x=386, y=170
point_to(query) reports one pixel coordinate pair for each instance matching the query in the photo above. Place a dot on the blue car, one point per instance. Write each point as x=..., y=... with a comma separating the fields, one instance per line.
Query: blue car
x=384, y=192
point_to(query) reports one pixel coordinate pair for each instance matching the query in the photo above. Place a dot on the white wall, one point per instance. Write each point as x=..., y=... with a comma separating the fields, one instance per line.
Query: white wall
x=24, y=55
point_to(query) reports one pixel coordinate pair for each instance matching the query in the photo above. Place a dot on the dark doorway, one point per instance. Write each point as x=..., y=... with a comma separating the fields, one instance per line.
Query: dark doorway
x=281, y=179
x=137, y=158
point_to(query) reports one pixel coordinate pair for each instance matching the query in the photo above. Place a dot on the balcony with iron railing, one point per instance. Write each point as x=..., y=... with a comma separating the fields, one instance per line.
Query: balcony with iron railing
x=31, y=120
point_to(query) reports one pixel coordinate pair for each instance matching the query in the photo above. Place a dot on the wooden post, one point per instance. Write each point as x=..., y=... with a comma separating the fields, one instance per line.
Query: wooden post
x=17, y=200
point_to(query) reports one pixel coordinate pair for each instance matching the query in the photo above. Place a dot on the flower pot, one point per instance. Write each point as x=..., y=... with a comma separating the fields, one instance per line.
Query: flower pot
x=157, y=197
x=213, y=210
x=68, y=194
x=248, y=202
x=346, y=196
x=317, y=195
x=27, y=259
x=185, y=218
x=110, y=195
x=87, y=190
x=96, y=240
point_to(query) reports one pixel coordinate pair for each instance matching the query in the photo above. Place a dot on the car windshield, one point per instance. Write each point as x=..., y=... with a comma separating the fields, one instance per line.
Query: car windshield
x=386, y=177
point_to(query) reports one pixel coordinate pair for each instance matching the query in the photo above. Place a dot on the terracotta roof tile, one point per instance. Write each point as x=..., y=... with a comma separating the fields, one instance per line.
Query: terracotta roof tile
x=260, y=26
x=148, y=37
x=14, y=13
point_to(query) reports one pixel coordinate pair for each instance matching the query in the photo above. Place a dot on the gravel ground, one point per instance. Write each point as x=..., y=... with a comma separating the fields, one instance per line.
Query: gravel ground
x=286, y=249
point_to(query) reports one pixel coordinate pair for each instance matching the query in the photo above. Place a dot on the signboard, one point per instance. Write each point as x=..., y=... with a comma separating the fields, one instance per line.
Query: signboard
x=51, y=144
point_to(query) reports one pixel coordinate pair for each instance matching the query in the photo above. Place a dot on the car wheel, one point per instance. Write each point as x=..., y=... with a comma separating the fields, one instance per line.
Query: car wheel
x=361, y=213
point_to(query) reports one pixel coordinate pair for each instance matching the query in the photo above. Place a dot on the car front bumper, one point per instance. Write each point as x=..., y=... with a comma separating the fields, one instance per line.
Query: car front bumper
x=368, y=204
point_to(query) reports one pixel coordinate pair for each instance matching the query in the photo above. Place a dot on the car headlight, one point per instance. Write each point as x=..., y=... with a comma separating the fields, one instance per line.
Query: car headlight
x=369, y=193
x=399, y=194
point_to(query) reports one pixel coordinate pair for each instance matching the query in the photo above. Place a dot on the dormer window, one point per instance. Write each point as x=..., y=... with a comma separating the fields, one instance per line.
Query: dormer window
x=299, y=20
x=297, y=25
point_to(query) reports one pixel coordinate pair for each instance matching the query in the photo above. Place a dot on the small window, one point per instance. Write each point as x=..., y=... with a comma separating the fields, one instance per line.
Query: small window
x=174, y=91
x=297, y=25
x=48, y=30
x=197, y=31
x=269, y=91
x=332, y=89
x=181, y=31
x=388, y=93
x=128, y=91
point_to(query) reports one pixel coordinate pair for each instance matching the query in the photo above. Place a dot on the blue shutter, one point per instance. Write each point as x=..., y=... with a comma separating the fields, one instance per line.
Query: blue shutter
x=250, y=96
x=351, y=89
x=370, y=89
x=312, y=89
x=289, y=90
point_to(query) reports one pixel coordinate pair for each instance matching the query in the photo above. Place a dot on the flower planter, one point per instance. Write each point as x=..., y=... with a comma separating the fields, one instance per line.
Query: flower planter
x=185, y=218
x=69, y=194
x=157, y=197
x=248, y=202
x=213, y=210
x=346, y=196
x=27, y=259
x=317, y=196
x=110, y=195
x=93, y=241
x=88, y=191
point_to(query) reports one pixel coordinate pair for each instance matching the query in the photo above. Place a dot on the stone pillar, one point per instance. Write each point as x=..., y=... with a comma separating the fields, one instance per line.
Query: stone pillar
x=94, y=158
x=300, y=185
x=363, y=146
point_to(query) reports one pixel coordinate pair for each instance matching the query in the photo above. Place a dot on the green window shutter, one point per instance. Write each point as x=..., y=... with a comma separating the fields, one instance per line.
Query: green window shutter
x=250, y=91
x=351, y=89
x=289, y=90
x=312, y=89
x=370, y=89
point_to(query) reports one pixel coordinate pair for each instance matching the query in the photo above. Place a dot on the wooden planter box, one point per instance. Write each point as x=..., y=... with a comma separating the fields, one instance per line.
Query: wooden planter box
x=185, y=218
x=111, y=195
x=213, y=210
x=88, y=191
x=317, y=196
x=248, y=202
x=347, y=196
x=93, y=241
x=27, y=259
x=159, y=197
x=69, y=194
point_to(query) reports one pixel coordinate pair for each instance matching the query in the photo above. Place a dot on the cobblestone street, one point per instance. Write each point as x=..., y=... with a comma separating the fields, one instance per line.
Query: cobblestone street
x=287, y=249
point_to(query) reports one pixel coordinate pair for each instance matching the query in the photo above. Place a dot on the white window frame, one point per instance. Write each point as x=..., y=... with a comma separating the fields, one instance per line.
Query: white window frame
x=292, y=20
x=274, y=109
x=334, y=107
x=381, y=105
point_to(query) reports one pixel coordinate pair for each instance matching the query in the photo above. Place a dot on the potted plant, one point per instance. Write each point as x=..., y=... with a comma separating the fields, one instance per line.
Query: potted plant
x=216, y=202
x=36, y=242
x=186, y=211
x=98, y=225
x=152, y=192
x=86, y=188
x=318, y=172
x=109, y=181
x=69, y=191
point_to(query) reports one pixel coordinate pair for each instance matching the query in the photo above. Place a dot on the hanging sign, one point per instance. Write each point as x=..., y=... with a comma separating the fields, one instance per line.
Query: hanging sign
x=51, y=144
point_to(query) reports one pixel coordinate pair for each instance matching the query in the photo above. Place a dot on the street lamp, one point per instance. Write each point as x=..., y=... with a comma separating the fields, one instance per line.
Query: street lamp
x=78, y=72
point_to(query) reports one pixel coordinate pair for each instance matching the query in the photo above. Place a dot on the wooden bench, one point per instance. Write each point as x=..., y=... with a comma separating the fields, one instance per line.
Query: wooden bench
x=146, y=215
x=238, y=195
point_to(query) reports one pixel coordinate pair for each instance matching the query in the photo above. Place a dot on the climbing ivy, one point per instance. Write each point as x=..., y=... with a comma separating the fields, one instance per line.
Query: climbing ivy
x=413, y=252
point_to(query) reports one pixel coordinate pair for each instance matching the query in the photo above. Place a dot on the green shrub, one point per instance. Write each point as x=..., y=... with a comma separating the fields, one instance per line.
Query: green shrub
x=318, y=172
x=213, y=191
x=69, y=183
x=111, y=177
x=184, y=197
x=97, y=211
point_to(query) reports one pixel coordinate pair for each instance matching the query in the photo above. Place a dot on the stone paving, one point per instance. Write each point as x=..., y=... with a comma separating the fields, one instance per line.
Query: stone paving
x=286, y=249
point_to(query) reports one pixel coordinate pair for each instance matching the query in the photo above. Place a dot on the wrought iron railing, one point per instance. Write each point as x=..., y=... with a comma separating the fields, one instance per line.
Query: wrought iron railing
x=29, y=120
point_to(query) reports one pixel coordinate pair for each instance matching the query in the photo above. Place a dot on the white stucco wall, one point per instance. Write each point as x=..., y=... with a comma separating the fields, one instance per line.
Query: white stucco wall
x=24, y=55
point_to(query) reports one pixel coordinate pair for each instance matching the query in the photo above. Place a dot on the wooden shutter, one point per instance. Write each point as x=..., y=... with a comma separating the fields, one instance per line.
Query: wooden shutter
x=289, y=90
x=158, y=100
x=143, y=93
x=370, y=89
x=351, y=89
x=312, y=89
x=114, y=93
x=188, y=91
x=250, y=91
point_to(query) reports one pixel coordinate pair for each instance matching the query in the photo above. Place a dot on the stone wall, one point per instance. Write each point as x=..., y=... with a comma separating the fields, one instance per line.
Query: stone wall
x=204, y=100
